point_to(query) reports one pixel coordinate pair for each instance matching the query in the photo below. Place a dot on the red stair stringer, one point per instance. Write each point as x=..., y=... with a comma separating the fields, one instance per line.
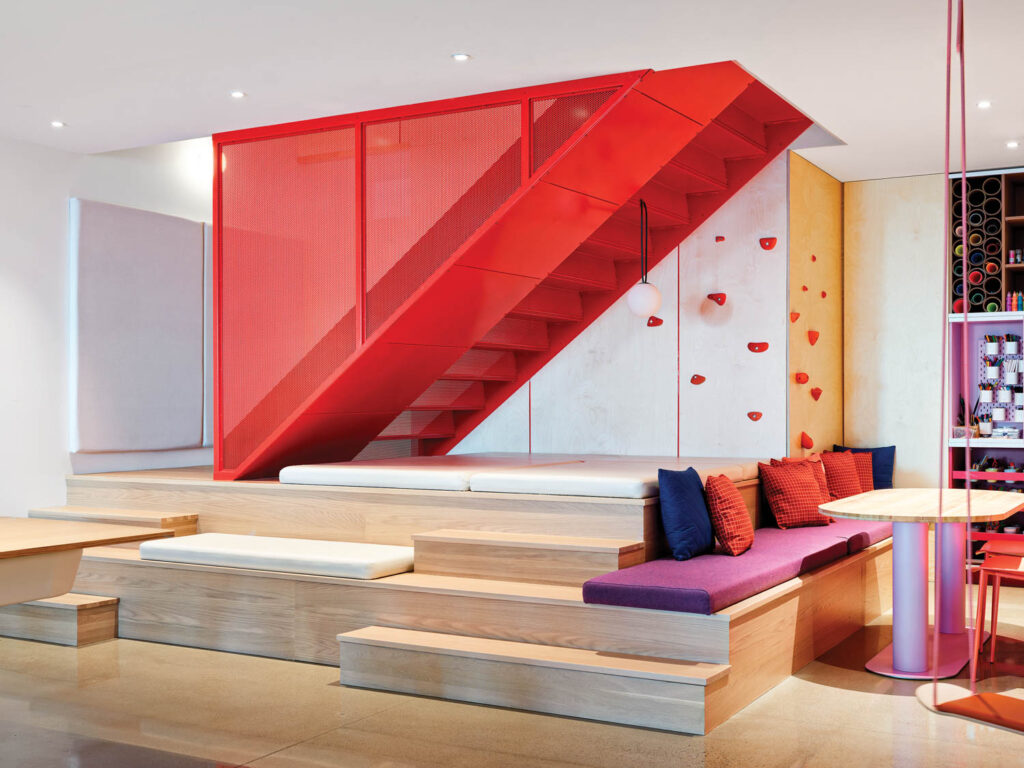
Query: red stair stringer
x=675, y=133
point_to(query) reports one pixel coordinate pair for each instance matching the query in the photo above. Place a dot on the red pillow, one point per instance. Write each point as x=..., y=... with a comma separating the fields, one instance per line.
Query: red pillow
x=793, y=494
x=865, y=471
x=816, y=468
x=730, y=519
x=841, y=473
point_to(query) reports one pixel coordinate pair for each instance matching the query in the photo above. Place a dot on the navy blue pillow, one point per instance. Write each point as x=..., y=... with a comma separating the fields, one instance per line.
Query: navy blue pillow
x=883, y=463
x=684, y=513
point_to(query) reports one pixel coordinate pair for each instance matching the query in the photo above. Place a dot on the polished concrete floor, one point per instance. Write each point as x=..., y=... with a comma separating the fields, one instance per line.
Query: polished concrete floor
x=124, y=703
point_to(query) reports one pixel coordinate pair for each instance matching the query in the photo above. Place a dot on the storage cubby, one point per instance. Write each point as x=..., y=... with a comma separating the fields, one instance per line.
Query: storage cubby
x=988, y=273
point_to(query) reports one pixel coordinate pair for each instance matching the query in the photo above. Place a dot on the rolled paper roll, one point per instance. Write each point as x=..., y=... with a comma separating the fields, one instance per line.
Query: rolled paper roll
x=958, y=269
x=992, y=267
x=992, y=247
x=958, y=305
x=975, y=238
x=992, y=185
x=958, y=231
x=958, y=288
x=976, y=257
x=993, y=286
x=992, y=225
x=992, y=206
x=958, y=249
x=975, y=218
x=954, y=187
x=976, y=277
x=976, y=298
x=975, y=198
x=992, y=305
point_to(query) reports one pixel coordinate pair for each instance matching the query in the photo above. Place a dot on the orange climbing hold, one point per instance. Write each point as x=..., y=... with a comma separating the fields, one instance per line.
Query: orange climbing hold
x=794, y=316
x=754, y=415
x=805, y=441
x=801, y=378
x=768, y=242
x=757, y=346
x=718, y=298
x=812, y=336
x=816, y=393
x=697, y=379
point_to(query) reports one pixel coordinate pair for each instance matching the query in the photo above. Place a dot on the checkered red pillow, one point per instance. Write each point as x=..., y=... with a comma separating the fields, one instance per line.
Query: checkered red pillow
x=816, y=468
x=793, y=494
x=865, y=471
x=729, y=516
x=841, y=473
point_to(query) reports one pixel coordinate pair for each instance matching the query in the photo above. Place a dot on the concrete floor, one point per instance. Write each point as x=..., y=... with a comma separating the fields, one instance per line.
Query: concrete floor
x=124, y=703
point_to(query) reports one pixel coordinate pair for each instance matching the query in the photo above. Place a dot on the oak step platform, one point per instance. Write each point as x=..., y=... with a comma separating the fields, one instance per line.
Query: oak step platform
x=69, y=619
x=522, y=556
x=630, y=690
x=181, y=523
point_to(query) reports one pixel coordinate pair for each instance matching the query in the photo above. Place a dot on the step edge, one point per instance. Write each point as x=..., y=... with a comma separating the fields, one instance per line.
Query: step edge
x=96, y=601
x=366, y=637
x=452, y=536
x=121, y=514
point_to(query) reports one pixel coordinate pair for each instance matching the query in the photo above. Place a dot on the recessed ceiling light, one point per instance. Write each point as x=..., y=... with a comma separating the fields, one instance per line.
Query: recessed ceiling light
x=461, y=56
x=238, y=94
x=1012, y=145
x=56, y=124
x=984, y=104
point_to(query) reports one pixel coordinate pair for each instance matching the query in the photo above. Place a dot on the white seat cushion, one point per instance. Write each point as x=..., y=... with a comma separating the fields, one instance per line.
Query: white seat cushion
x=347, y=559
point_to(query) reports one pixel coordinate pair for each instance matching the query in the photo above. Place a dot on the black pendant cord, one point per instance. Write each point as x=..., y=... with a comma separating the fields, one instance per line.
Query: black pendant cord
x=643, y=241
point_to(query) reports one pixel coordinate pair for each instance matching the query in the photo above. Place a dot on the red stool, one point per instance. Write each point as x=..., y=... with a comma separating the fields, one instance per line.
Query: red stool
x=1002, y=558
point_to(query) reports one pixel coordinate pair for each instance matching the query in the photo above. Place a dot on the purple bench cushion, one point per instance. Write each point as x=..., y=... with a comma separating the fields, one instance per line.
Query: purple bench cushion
x=861, y=534
x=709, y=583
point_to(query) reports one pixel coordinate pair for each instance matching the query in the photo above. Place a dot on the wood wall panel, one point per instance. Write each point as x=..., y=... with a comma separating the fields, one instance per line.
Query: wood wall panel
x=815, y=263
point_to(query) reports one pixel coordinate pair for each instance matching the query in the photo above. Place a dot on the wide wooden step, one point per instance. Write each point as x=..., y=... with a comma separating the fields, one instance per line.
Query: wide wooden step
x=632, y=690
x=182, y=523
x=70, y=619
x=522, y=556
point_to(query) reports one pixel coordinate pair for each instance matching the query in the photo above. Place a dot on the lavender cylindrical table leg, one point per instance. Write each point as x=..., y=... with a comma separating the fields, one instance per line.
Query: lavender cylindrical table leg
x=910, y=597
x=951, y=576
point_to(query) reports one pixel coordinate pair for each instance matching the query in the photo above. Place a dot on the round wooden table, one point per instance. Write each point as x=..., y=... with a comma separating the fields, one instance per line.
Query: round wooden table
x=911, y=511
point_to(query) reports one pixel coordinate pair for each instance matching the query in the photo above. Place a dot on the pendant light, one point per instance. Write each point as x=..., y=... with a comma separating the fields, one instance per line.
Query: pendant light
x=643, y=299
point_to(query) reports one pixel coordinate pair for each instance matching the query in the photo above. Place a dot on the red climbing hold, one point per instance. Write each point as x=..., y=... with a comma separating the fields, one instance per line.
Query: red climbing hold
x=757, y=346
x=805, y=441
x=794, y=316
x=718, y=298
x=719, y=238
x=813, y=257
x=812, y=336
x=654, y=322
x=768, y=242
x=816, y=393
x=754, y=415
x=697, y=379
x=803, y=287
x=801, y=378
x=823, y=294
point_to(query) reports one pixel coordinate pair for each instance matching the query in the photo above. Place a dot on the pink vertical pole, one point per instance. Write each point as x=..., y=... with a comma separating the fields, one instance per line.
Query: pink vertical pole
x=951, y=576
x=910, y=597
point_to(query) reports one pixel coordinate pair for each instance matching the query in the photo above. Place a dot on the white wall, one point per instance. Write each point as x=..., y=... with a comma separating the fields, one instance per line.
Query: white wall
x=614, y=388
x=34, y=184
x=894, y=267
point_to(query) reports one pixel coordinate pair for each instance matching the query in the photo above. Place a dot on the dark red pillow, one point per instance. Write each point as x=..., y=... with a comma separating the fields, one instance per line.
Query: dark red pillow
x=816, y=468
x=793, y=494
x=841, y=473
x=729, y=516
x=865, y=471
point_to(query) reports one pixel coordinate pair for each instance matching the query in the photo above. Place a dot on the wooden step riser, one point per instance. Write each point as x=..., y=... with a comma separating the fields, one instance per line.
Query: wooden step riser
x=374, y=515
x=179, y=524
x=669, y=706
x=179, y=529
x=543, y=566
x=46, y=624
x=299, y=619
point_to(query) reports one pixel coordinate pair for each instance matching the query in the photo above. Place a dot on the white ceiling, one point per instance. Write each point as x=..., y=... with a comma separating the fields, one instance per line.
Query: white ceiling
x=127, y=74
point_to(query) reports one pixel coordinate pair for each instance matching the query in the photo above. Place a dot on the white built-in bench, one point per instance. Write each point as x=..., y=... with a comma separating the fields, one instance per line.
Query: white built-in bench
x=344, y=559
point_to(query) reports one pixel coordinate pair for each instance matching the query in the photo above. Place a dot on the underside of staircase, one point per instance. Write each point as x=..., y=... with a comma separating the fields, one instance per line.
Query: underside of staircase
x=357, y=303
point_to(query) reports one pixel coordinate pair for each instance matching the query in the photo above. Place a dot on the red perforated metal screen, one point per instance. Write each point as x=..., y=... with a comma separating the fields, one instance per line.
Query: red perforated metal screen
x=290, y=277
x=555, y=120
x=430, y=183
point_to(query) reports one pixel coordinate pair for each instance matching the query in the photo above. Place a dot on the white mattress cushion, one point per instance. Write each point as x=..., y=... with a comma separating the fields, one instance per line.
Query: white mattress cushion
x=345, y=559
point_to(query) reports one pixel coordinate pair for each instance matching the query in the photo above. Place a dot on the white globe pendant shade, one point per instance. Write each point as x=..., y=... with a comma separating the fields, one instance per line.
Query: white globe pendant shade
x=643, y=299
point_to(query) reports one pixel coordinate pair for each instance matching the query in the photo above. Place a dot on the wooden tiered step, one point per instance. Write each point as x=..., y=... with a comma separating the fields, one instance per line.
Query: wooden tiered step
x=182, y=523
x=631, y=690
x=69, y=619
x=522, y=556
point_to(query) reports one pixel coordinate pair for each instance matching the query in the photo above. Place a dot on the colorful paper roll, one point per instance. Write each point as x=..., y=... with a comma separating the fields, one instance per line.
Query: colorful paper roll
x=976, y=257
x=976, y=277
x=958, y=249
x=958, y=288
x=976, y=298
x=975, y=238
x=992, y=305
x=992, y=226
x=975, y=218
x=992, y=247
x=958, y=269
x=992, y=267
x=958, y=305
x=958, y=231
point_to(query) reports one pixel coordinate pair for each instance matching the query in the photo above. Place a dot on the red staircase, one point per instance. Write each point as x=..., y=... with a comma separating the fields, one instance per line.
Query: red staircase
x=398, y=274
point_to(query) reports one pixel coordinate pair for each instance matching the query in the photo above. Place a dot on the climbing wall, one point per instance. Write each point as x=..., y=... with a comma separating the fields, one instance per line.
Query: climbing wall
x=710, y=380
x=816, y=308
